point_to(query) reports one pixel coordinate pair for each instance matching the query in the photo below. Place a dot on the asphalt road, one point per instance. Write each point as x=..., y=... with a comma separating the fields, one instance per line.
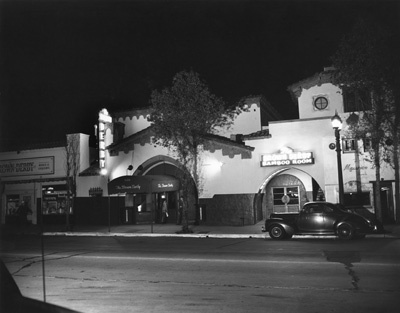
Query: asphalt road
x=116, y=274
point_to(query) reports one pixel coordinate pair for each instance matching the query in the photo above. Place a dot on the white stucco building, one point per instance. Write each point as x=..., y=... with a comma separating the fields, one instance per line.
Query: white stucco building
x=262, y=164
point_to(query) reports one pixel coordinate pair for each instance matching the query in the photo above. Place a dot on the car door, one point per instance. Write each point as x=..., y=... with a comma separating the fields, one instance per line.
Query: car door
x=331, y=216
x=311, y=219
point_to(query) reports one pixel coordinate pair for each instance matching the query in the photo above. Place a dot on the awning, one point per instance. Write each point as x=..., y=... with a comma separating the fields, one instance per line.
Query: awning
x=143, y=184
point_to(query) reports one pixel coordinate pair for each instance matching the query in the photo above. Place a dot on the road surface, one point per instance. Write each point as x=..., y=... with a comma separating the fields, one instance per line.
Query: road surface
x=117, y=274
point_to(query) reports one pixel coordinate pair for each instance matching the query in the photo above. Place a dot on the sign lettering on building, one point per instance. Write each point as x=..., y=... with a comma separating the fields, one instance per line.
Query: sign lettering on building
x=289, y=158
x=24, y=167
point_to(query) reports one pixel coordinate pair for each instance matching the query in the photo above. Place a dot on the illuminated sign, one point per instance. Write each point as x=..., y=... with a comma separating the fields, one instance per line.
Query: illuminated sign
x=289, y=158
x=23, y=167
x=104, y=118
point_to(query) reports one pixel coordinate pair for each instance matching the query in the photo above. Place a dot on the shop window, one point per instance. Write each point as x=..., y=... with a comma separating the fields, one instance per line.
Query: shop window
x=12, y=205
x=54, y=199
x=349, y=145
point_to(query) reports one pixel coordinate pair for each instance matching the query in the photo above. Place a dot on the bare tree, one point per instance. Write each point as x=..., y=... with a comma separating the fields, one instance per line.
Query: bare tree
x=72, y=156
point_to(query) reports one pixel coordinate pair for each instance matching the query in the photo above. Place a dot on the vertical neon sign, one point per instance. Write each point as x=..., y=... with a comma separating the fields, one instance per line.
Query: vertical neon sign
x=104, y=118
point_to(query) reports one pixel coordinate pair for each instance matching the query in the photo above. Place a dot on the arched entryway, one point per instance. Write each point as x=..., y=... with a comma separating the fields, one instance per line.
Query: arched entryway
x=164, y=165
x=138, y=193
x=286, y=190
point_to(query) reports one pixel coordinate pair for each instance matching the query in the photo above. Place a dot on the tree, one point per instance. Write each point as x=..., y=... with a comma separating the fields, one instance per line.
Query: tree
x=72, y=155
x=366, y=67
x=182, y=115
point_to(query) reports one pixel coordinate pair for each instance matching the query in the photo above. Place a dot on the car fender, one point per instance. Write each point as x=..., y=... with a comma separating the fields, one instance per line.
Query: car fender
x=288, y=228
x=344, y=222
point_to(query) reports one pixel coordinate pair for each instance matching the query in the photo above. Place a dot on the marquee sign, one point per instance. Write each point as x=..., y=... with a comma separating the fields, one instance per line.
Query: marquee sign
x=104, y=118
x=24, y=167
x=287, y=158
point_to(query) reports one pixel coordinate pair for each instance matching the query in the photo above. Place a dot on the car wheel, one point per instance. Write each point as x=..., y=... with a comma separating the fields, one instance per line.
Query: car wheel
x=345, y=231
x=277, y=232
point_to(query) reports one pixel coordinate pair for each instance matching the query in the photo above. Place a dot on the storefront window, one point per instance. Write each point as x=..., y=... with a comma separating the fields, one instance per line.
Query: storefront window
x=54, y=199
x=12, y=205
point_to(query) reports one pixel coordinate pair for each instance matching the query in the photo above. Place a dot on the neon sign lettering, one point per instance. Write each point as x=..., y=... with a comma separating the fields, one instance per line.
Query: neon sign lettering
x=292, y=158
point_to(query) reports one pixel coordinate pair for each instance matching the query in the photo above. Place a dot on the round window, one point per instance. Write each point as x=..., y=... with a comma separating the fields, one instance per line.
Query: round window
x=320, y=103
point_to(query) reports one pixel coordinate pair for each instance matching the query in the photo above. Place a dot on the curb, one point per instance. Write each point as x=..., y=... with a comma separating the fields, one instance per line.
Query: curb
x=101, y=234
x=233, y=236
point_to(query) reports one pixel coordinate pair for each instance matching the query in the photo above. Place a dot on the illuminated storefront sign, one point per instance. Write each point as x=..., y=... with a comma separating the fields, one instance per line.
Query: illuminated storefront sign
x=289, y=158
x=23, y=167
x=104, y=118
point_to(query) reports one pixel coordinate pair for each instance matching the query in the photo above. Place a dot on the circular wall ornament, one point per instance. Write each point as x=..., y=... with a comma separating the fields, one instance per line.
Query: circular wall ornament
x=332, y=146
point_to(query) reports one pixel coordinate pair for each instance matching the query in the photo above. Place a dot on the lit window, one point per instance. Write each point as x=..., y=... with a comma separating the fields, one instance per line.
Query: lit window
x=320, y=103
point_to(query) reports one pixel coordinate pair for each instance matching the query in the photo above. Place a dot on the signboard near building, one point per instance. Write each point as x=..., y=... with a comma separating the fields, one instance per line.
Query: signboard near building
x=290, y=158
x=25, y=167
x=143, y=184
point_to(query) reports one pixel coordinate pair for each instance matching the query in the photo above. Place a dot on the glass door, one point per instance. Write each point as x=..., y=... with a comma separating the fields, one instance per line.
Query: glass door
x=285, y=199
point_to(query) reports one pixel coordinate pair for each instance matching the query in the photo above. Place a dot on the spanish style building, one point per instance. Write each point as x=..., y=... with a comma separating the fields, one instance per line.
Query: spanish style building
x=262, y=164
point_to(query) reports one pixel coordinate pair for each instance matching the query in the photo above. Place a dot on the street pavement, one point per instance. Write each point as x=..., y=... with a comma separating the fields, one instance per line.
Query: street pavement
x=164, y=230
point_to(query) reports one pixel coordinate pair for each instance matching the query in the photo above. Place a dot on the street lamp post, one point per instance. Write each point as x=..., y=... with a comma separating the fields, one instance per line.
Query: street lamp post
x=337, y=126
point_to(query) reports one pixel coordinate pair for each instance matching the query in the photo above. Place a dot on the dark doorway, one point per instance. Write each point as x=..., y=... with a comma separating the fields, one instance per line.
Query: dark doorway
x=387, y=203
x=171, y=198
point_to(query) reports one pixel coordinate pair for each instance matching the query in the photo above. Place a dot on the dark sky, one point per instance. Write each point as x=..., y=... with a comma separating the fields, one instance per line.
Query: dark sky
x=62, y=61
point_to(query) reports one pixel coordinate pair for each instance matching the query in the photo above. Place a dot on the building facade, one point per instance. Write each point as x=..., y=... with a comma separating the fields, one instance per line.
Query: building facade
x=33, y=182
x=261, y=165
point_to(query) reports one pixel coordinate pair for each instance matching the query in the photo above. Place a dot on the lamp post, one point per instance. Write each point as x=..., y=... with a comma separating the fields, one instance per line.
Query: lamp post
x=337, y=126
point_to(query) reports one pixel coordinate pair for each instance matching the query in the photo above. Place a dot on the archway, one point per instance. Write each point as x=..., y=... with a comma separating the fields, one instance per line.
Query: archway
x=164, y=165
x=286, y=190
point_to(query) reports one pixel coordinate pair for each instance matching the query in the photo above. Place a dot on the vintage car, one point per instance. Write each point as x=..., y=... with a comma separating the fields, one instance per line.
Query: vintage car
x=319, y=218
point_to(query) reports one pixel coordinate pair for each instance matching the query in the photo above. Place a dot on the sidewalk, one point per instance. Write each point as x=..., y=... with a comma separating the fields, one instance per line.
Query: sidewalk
x=163, y=230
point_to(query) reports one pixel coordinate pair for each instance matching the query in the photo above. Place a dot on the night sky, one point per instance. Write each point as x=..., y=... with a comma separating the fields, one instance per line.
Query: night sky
x=62, y=61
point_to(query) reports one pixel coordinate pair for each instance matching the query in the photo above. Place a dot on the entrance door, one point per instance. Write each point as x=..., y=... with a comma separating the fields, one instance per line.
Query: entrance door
x=171, y=198
x=286, y=199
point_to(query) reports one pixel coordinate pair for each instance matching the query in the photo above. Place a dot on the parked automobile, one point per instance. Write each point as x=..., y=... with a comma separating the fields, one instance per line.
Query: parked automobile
x=320, y=218
x=360, y=210
x=12, y=301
